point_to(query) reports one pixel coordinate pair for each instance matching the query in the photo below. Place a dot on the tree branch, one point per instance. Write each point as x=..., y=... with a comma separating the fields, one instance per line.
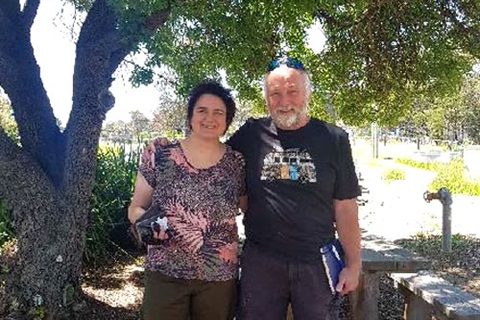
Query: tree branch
x=468, y=34
x=10, y=8
x=101, y=47
x=20, y=78
x=29, y=13
x=153, y=22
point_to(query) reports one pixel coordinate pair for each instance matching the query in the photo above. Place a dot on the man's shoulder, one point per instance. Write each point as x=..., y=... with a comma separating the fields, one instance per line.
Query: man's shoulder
x=257, y=121
x=253, y=125
x=250, y=130
x=327, y=128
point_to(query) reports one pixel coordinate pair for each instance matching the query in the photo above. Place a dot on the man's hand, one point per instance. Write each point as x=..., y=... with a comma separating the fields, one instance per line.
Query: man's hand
x=148, y=155
x=347, y=280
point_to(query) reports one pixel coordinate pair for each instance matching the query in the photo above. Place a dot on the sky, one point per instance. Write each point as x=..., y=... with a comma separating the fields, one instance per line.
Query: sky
x=55, y=52
x=54, y=49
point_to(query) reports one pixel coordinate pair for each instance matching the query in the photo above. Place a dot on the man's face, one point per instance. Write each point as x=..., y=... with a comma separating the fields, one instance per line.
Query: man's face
x=286, y=97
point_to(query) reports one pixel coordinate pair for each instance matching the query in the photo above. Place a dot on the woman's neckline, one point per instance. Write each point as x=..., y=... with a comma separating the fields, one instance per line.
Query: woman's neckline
x=213, y=165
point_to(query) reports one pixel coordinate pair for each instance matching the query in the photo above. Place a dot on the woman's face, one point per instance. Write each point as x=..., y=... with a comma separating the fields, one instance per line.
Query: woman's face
x=209, y=117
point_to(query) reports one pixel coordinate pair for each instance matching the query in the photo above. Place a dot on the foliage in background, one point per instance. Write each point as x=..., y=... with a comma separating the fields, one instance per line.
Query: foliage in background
x=363, y=72
x=393, y=174
x=170, y=115
x=7, y=122
x=117, y=132
x=6, y=228
x=139, y=125
x=374, y=74
x=454, y=117
x=114, y=180
x=107, y=232
x=450, y=175
x=137, y=130
x=471, y=99
x=431, y=166
x=245, y=110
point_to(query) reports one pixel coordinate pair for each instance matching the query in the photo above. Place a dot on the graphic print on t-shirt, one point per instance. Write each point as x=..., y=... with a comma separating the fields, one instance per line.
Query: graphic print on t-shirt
x=290, y=164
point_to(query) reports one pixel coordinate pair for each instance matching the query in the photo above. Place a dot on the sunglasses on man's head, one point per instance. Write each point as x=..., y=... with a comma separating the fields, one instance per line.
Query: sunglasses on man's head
x=289, y=62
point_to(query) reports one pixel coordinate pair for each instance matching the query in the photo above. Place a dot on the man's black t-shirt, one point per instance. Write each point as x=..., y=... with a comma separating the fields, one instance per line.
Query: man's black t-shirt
x=292, y=178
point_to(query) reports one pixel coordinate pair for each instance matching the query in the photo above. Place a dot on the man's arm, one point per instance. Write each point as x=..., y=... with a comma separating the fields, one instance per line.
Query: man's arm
x=348, y=229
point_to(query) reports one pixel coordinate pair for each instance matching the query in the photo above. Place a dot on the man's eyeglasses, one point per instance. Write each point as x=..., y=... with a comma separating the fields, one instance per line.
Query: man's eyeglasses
x=289, y=62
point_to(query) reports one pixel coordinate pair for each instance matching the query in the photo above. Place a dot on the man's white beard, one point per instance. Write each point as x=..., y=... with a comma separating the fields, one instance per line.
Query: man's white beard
x=285, y=120
x=289, y=120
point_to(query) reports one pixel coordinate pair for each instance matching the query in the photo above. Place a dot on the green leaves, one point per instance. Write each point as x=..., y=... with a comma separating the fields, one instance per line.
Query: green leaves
x=114, y=180
x=7, y=122
x=387, y=53
x=379, y=56
x=443, y=117
x=450, y=175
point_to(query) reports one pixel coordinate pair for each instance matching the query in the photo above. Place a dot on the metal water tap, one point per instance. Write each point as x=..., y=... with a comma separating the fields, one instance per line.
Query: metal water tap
x=445, y=198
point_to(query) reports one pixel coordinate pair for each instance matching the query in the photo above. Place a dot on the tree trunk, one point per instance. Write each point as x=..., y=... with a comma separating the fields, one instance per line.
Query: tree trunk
x=47, y=183
x=49, y=242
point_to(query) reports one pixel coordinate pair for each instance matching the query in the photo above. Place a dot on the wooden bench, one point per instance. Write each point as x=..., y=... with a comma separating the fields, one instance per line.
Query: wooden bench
x=379, y=257
x=426, y=295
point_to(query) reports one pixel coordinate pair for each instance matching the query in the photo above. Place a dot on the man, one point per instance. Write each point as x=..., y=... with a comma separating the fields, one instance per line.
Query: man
x=302, y=187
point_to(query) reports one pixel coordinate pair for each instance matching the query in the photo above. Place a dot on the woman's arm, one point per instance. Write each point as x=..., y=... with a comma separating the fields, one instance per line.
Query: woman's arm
x=141, y=200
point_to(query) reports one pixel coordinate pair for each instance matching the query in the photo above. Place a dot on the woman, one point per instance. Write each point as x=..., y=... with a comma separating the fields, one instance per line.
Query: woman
x=198, y=183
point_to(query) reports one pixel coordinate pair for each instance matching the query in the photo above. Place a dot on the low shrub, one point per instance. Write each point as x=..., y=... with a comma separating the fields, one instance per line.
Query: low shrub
x=393, y=174
x=431, y=166
x=114, y=181
x=450, y=175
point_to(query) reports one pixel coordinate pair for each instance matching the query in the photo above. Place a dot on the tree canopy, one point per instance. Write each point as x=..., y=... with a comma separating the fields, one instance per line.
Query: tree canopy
x=378, y=56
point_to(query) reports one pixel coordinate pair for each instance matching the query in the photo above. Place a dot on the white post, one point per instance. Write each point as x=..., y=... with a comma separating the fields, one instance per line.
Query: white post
x=374, y=130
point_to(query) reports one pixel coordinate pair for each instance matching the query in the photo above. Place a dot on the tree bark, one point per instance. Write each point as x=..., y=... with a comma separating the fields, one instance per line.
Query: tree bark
x=47, y=182
x=42, y=264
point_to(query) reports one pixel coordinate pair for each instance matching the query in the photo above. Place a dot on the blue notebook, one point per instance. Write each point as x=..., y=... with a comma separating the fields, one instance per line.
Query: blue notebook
x=333, y=261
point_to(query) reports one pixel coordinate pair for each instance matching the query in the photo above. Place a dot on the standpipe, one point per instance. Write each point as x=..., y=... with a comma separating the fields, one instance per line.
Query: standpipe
x=445, y=198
